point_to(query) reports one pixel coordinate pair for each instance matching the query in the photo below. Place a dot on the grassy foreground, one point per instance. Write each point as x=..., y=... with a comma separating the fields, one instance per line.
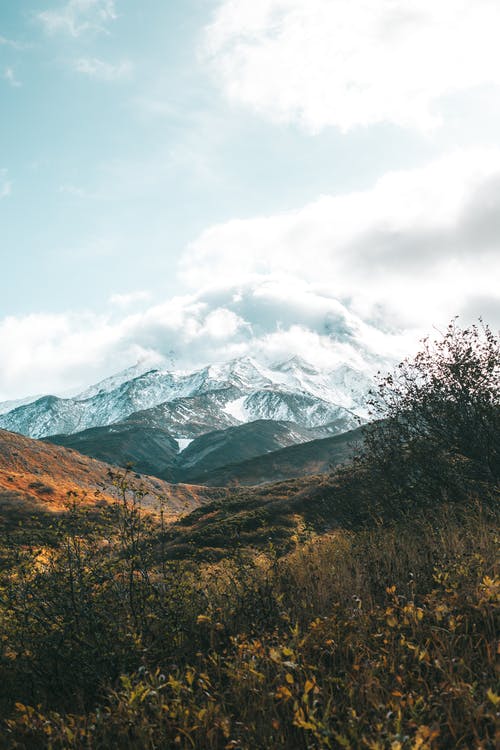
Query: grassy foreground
x=376, y=638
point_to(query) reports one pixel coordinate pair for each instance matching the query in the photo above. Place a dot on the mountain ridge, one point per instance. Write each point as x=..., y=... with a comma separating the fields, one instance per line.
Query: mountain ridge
x=239, y=391
x=299, y=460
x=153, y=451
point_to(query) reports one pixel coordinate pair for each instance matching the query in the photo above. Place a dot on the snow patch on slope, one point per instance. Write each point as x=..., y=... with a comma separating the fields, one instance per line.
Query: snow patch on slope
x=237, y=409
x=183, y=443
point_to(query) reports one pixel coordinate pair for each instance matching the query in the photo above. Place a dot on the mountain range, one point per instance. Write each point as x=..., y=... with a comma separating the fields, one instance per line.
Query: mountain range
x=206, y=424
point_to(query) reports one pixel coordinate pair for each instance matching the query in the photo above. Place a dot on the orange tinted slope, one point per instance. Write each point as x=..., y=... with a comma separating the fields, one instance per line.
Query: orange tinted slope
x=46, y=473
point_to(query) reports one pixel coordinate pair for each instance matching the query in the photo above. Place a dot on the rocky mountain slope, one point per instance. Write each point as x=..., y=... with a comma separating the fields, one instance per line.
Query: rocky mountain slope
x=214, y=397
x=184, y=425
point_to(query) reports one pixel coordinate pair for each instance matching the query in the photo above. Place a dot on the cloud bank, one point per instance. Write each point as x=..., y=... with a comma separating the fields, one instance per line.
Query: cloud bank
x=269, y=320
x=321, y=63
x=412, y=251
x=354, y=277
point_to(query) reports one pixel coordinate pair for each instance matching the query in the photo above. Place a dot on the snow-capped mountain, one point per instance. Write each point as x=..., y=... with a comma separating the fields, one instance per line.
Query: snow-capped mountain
x=288, y=406
x=115, y=381
x=6, y=406
x=188, y=404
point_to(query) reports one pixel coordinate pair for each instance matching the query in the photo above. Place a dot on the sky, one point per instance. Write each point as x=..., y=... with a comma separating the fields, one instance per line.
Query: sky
x=184, y=181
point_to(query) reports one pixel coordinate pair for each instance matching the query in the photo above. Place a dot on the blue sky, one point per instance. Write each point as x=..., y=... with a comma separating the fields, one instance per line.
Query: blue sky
x=212, y=177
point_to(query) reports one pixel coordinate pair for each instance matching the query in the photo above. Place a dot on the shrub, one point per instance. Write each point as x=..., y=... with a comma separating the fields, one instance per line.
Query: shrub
x=438, y=421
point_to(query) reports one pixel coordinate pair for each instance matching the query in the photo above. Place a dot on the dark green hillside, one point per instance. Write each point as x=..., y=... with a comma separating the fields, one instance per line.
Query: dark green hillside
x=221, y=449
x=151, y=450
x=312, y=457
x=247, y=454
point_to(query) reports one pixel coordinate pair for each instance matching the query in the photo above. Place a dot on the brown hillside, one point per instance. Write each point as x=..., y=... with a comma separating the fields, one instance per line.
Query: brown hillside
x=41, y=475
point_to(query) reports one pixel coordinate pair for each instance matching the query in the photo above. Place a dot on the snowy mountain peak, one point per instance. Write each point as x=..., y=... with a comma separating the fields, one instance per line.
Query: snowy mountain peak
x=296, y=363
x=248, y=372
x=240, y=366
x=114, y=381
x=7, y=406
x=238, y=391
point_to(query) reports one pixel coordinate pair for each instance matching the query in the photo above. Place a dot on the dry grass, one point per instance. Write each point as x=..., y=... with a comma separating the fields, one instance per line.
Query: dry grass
x=381, y=638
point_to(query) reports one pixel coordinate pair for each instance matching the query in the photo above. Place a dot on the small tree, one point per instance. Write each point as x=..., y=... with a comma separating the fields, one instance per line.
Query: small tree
x=438, y=419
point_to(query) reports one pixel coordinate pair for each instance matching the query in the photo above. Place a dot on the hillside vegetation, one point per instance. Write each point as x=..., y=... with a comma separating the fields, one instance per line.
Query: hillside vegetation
x=303, y=459
x=39, y=476
x=351, y=610
x=247, y=454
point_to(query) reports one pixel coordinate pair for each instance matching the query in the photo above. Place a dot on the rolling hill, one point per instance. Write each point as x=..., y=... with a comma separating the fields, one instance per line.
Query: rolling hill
x=307, y=458
x=38, y=477
x=149, y=450
x=253, y=453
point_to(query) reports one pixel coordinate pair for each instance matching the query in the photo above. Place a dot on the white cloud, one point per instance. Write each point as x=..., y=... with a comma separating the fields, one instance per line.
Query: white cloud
x=222, y=324
x=78, y=16
x=125, y=300
x=5, y=184
x=353, y=278
x=102, y=70
x=10, y=77
x=345, y=63
x=66, y=352
x=412, y=251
